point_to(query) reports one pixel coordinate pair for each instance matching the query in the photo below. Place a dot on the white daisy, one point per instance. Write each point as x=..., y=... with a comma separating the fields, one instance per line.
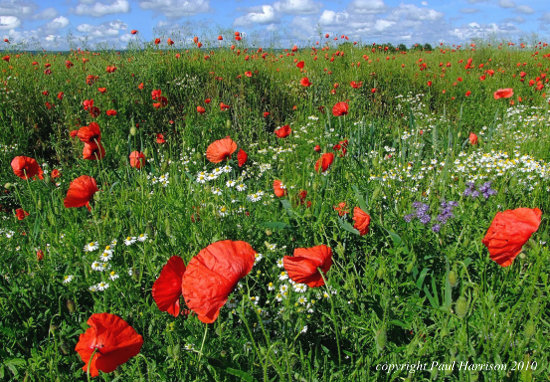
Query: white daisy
x=142, y=237
x=113, y=276
x=280, y=263
x=97, y=266
x=130, y=240
x=216, y=191
x=106, y=256
x=226, y=168
x=240, y=187
x=222, y=211
x=230, y=183
x=67, y=279
x=92, y=246
x=102, y=286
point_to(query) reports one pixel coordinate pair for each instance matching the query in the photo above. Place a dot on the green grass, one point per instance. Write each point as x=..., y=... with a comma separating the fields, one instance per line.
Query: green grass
x=402, y=294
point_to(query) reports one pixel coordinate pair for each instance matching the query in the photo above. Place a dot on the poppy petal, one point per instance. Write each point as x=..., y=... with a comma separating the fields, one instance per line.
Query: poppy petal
x=212, y=274
x=167, y=288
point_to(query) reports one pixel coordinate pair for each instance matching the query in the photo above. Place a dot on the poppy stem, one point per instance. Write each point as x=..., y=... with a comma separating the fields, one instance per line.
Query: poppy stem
x=333, y=315
x=202, y=344
x=90, y=364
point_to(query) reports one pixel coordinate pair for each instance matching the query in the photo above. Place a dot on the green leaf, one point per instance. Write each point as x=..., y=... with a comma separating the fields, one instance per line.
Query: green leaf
x=239, y=373
x=347, y=226
x=363, y=203
x=275, y=225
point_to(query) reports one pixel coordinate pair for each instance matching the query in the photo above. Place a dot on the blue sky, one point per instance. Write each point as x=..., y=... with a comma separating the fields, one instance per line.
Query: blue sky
x=66, y=24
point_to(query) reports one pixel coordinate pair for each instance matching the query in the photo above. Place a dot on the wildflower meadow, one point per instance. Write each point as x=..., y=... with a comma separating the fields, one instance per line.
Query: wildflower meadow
x=211, y=210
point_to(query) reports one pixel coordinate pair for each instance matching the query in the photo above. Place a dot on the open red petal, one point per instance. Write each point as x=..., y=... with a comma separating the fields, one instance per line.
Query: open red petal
x=167, y=288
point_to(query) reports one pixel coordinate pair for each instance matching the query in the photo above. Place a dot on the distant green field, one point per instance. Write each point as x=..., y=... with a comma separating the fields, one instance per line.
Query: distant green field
x=431, y=145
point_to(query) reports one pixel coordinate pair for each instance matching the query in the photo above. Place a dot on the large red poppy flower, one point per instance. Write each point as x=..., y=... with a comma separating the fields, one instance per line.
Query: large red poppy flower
x=341, y=108
x=137, y=159
x=167, y=288
x=220, y=149
x=283, y=131
x=503, y=93
x=302, y=267
x=509, y=231
x=212, y=274
x=278, y=188
x=80, y=192
x=305, y=82
x=90, y=133
x=324, y=162
x=93, y=151
x=26, y=168
x=362, y=221
x=112, y=339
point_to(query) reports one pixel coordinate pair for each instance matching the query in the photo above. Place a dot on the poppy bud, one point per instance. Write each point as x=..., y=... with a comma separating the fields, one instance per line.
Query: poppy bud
x=132, y=131
x=452, y=278
x=7, y=186
x=380, y=339
x=268, y=232
x=461, y=307
x=228, y=124
x=530, y=329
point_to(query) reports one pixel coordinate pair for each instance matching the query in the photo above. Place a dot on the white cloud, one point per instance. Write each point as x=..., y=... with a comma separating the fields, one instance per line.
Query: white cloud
x=331, y=18
x=369, y=7
x=9, y=22
x=101, y=31
x=262, y=15
x=297, y=7
x=176, y=8
x=525, y=9
x=45, y=14
x=382, y=25
x=469, y=10
x=414, y=13
x=476, y=30
x=506, y=4
x=57, y=23
x=98, y=9
x=18, y=8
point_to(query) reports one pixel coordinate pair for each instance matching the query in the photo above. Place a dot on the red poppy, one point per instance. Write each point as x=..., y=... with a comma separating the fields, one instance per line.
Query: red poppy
x=503, y=93
x=170, y=42
x=223, y=106
x=93, y=151
x=21, y=214
x=341, y=108
x=341, y=208
x=212, y=274
x=220, y=149
x=324, y=162
x=220, y=38
x=317, y=148
x=26, y=168
x=300, y=65
x=133, y=31
x=283, y=131
x=509, y=231
x=279, y=188
x=302, y=266
x=55, y=173
x=473, y=139
x=167, y=288
x=81, y=190
x=157, y=41
x=201, y=110
x=60, y=95
x=111, y=112
x=90, y=133
x=112, y=339
x=242, y=156
x=305, y=82
x=39, y=255
x=248, y=73
x=362, y=221
x=102, y=90
x=137, y=159
x=356, y=85
x=160, y=138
